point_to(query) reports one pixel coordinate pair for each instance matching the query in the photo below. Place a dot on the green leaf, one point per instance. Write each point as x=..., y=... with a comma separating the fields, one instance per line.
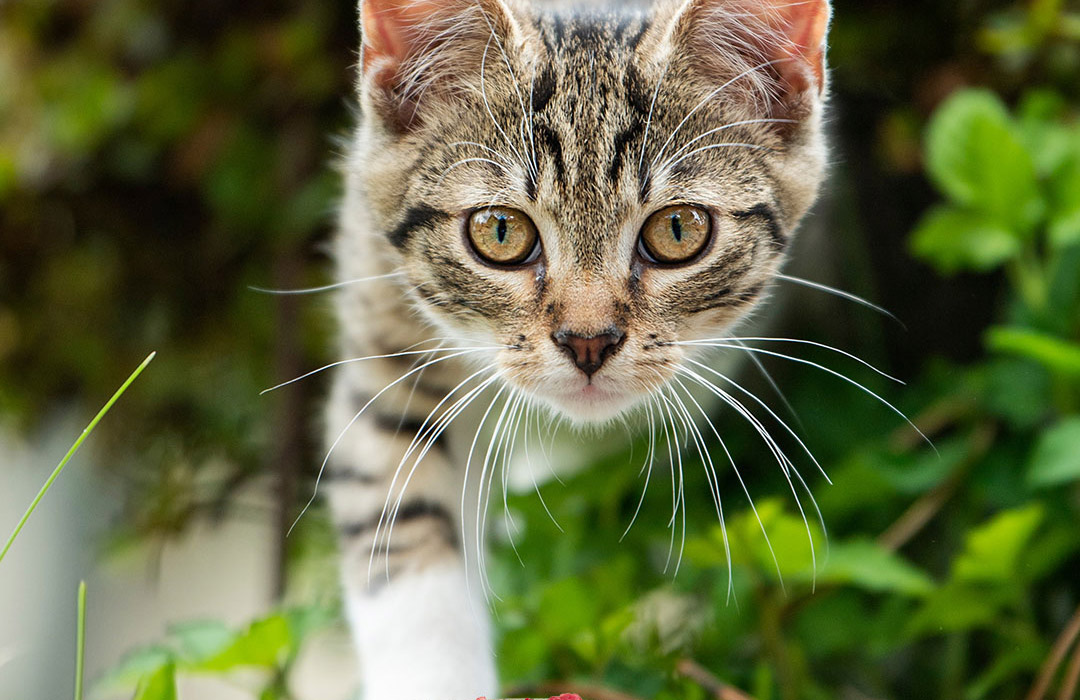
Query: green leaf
x=1056, y=459
x=200, y=641
x=1040, y=118
x=993, y=550
x=523, y=651
x=1064, y=227
x=960, y=606
x=956, y=239
x=976, y=157
x=307, y=621
x=71, y=452
x=986, y=578
x=565, y=608
x=136, y=666
x=1054, y=353
x=160, y=685
x=773, y=538
x=266, y=643
x=1016, y=389
x=867, y=565
x=9, y=174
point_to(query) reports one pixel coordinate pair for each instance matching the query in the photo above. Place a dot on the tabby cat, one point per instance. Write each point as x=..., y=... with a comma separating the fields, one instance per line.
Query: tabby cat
x=549, y=206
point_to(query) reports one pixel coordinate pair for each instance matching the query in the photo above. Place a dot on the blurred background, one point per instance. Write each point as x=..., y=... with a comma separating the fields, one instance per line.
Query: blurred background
x=160, y=158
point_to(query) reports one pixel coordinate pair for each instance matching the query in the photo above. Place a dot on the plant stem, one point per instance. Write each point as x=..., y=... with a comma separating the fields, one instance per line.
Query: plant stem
x=80, y=641
x=1072, y=677
x=1057, y=655
x=703, y=677
x=71, y=452
x=1032, y=281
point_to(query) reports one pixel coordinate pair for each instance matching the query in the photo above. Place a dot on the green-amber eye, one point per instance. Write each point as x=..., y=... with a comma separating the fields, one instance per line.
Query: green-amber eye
x=503, y=236
x=676, y=234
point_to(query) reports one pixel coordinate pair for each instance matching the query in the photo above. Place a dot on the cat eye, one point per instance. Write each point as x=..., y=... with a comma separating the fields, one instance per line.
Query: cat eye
x=675, y=235
x=504, y=236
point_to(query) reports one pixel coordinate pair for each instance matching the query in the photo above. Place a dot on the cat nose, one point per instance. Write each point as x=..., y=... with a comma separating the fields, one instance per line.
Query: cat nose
x=589, y=353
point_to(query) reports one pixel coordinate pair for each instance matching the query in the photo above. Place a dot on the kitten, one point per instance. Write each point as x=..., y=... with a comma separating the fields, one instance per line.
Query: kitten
x=551, y=201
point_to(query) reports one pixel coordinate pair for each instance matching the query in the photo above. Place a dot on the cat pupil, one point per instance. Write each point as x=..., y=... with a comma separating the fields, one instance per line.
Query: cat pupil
x=501, y=232
x=676, y=228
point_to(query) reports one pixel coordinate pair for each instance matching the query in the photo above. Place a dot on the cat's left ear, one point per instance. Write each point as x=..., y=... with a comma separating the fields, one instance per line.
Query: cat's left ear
x=774, y=46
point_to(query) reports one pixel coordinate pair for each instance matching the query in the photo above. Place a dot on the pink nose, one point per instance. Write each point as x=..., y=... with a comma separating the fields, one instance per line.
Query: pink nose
x=589, y=353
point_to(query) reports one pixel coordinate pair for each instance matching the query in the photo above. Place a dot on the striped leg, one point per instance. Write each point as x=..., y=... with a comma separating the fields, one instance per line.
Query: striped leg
x=419, y=633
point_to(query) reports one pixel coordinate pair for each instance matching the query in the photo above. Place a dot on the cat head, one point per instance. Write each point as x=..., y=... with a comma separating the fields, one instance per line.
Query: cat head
x=589, y=189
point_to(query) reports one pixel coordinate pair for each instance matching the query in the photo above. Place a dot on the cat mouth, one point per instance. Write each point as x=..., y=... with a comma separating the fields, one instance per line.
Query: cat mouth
x=591, y=392
x=590, y=403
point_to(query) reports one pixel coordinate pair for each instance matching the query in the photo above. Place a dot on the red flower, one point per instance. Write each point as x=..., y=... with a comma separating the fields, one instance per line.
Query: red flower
x=566, y=696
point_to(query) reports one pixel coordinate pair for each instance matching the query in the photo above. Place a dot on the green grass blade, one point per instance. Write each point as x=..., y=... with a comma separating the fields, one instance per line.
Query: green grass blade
x=70, y=453
x=80, y=642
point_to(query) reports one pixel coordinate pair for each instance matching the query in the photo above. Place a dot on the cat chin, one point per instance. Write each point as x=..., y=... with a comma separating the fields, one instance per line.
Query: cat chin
x=590, y=406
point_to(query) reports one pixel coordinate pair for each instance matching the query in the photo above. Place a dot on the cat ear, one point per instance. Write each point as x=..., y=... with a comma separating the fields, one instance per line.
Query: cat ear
x=776, y=47
x=801, y=30
x=415, y=47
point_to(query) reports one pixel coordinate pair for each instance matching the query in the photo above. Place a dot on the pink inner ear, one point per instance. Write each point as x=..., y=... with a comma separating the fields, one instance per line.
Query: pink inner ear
x=805, y=25
x=389, y=26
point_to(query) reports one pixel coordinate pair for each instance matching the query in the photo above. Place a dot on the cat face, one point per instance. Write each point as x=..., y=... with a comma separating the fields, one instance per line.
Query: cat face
x=589, y=191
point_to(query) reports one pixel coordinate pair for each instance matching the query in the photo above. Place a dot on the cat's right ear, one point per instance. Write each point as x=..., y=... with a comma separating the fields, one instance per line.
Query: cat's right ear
x=426, y=48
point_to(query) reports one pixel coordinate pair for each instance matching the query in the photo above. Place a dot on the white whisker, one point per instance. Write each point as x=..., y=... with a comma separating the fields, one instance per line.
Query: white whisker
x=810, y=343
x=714, y=485
x=648, y=121
x=772, y=413
x=487, y=104
x=715, y=146
x=705, y=101
x=356, y=417
x=725, y=127
x=466, y=161
x=483, y=500
x=407, y=353
x=843, y=377
x=531, y=166
x=706, y=461
x=840, y=293
x=424, y=440
x=778, y=454
x=508, y=453
x=646, y=467
x=487, y=149
x=786, y=465
x=675, y=481
x=773, y=385
x=465, y=488
x=326, y=288
x=528, y=462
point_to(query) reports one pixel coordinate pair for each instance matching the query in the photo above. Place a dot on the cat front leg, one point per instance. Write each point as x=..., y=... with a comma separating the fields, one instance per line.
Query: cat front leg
x=421, y=634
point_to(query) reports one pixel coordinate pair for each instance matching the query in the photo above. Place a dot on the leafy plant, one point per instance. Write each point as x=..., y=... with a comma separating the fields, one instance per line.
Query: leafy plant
x=268, y=646
x=1013, y=190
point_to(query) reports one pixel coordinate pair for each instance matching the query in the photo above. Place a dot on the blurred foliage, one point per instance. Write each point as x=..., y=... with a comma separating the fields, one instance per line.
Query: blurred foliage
x=265, y=651
x=157, y=158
